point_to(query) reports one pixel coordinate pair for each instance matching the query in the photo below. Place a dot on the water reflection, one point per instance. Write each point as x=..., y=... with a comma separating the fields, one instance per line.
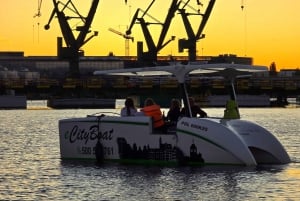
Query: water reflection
x=220, y=183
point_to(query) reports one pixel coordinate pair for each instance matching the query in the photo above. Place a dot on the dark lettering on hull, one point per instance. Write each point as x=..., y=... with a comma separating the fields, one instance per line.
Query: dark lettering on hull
x=78, y=134
x=184, y=123
x=199, y=127
x=107, y=151
x=196, y=126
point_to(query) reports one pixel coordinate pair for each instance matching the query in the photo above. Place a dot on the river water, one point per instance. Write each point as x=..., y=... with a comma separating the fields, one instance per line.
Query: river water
x=31, y=168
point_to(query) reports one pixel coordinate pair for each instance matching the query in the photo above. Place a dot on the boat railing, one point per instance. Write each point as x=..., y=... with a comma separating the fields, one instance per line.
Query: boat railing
x=103, y=114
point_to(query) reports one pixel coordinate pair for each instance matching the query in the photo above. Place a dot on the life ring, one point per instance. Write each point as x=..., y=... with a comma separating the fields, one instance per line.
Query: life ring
x=99, y=152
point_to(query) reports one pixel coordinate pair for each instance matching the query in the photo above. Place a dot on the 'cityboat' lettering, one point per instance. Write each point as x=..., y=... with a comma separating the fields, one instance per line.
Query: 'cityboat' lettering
x=92, y=133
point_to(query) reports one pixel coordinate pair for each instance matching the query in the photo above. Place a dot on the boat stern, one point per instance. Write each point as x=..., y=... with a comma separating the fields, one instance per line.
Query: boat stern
x=78, y=138
x=264, y=146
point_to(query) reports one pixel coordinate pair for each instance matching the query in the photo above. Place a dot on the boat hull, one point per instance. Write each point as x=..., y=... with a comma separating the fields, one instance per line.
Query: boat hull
x=193, y=141
x=13, y=102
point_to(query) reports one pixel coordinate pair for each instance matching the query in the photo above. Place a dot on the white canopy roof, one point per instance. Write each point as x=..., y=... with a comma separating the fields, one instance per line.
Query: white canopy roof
x=181, y=70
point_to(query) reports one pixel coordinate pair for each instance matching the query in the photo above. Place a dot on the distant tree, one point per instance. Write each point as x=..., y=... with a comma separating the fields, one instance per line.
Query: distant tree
x=297, y=73
x=273, y=70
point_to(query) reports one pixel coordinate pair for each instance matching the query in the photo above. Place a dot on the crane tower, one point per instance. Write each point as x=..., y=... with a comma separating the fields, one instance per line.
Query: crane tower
x=73, y=51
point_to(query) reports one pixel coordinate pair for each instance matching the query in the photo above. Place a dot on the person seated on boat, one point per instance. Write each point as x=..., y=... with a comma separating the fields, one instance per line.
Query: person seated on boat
x=195, y=109
x=153, y=110
x=231, y=111
x=174, y=111
x=129, y=109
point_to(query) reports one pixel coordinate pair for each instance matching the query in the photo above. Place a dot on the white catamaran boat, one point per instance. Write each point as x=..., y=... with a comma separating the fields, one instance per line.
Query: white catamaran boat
x=192, y=141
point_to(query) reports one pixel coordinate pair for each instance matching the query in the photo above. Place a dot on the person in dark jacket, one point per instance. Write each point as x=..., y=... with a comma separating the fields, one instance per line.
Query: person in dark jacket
x=195, y=109
x=174, y=112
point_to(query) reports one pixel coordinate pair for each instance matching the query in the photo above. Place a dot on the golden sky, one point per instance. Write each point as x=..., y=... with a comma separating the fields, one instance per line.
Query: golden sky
x=266, y=30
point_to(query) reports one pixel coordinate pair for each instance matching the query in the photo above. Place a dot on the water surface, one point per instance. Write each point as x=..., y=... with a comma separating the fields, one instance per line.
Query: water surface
x=31, y=168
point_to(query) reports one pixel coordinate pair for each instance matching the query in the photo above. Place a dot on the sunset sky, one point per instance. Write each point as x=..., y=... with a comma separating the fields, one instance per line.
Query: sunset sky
x=268, y=31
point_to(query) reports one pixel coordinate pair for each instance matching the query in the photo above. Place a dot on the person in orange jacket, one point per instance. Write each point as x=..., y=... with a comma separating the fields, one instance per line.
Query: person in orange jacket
x=153, y=110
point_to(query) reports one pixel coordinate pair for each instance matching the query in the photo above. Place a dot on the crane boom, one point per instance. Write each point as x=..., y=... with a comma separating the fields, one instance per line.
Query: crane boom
x=121, y=34
x=115, y=31
x=205, y=17
x=127, y=38
x=173, y=8
x=153, y=48
x=190, y=43
x=88, y=22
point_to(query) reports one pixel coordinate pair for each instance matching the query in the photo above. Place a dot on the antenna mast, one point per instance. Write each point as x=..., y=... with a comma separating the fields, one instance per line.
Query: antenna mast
x=243, y=7
x=242, y=4
x=39, y=14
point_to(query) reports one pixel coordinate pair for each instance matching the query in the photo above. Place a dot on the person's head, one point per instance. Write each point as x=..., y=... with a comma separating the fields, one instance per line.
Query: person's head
x=175, y=103
x=129, y=102
x=148, y=102
x=192, y=101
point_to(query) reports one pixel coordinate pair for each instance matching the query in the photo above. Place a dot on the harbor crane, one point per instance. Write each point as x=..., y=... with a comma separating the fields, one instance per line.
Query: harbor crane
x=153, y=49
x=73, y=51
x=193, y=37
x=127, y=38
